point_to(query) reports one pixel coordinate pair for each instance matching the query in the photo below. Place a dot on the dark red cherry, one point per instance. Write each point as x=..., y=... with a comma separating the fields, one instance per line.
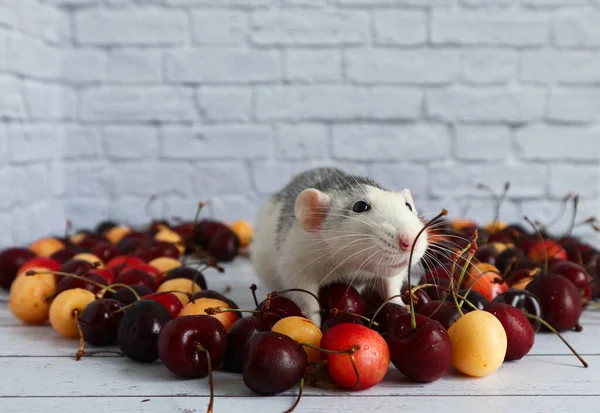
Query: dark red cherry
x=91, y=240
x=136, y=276
x=341, y=296
x=135, y=247
x=240, y=332
x=164, y=249
x=10, y=261
x=188, y=273
x=99, y=321
x=445, y=312
x=577, y=275
x=474, y=297
x=510, y=257
x=125, y=295
x=560, y=300
x=487, y=254
x=340, y=318
x=104, y=226
x=519, y=333
x=182, y=341
x=205, y=231
x=68, y=283
x=224, y=246
x=105, y=251
x=139, y=328
x=423, y=355
x=273, y=363
x=63, y=255
x=525, y=301
x=420, y=298
x=279, y=308
x=388, y=314
x=75, y=266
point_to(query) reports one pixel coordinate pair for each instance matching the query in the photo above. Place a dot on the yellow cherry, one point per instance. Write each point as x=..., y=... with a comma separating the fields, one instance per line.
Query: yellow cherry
x=180, y=284
x=45, y=247
x=165, y=264
x=65, y=309
x=198, y=306
x=244, y=230
x=91, y=258
x=303, y=331
x=27, y=300
x=115, y=234
x=172, y=237
x=40, y=273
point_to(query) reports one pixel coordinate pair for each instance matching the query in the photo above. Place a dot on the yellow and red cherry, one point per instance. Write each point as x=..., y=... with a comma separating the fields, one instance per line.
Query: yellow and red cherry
x=180, y=286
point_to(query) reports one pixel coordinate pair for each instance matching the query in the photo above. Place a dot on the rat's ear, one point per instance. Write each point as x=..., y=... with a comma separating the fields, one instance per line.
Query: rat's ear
x=408, y=196
x=310, y=209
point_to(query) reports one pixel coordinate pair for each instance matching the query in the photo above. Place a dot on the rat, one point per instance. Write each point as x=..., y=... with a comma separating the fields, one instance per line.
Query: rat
x=327, y=225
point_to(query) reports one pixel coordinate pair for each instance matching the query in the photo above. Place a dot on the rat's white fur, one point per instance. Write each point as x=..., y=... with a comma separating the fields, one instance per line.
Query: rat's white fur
x=361, y=248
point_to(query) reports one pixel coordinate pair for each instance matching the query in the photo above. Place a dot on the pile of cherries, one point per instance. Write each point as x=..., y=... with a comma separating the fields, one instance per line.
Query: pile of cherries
x=492, y=290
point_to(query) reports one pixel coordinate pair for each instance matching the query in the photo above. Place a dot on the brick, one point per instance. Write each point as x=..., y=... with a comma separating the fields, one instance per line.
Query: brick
x=329, y=102
x=301, y=141
x=135, y=66
x=396, y=27
x=482, y=142
x=391, y=142
x=43, y=21
x=12, y=105
x=86, y=211
x=396, y=177
x=229, y=208
x=310, y=3
x=313, y=66
x=42, y=218
x=10, y=194
x=576, y=30
x=91, y=179
x=484, y=210
x=372, y=3
x=220, y=27
x=126, y=209
x=422, y=66
x=429, y=207
x=569, y=67
x=131, y=141
x=216, y=142
x=574, y=105
x=140, y=26
x=75, y=3
x=526, y=181
x=554, y=3
x=3, y=50
x=3, y=143
x=82, y=66
x=497, y=27
x=303, y=27
x=8, y=14
x=558, y=142
x=146, y=179
x=222, y=66
x=225, y=103
x=247, y=4
x=486, y=105
x=47, y=102
x=486, y=3
x=32, y=184
x=219, y=178
x=131, y=103
x=24, y=55
x=183, y=207
x=269, y=176
x=33, y=142
x=6, y=222
x=488, y=66
x=81, y=141
x=580, y=179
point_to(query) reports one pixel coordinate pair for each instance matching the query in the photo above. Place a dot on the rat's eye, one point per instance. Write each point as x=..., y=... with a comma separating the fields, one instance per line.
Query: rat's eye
x=408, y=206
x=361, y=206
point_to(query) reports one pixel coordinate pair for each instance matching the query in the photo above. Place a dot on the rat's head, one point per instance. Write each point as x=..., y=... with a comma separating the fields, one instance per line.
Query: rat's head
x=365, y=226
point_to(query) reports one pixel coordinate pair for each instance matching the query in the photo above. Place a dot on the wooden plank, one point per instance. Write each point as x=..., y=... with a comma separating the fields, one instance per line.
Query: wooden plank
x=458, y=404
x=116, y=376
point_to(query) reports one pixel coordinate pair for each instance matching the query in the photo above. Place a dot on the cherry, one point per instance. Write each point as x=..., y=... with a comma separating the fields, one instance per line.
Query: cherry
x=187, y=273
x=524, y=301
x=135, y=247
x=75, y=266
x=373, y=299
x=163, y=249
x=560, y=300
x=66, y=308
x=538, y=250
x=10, y=261
x=150, y=269
x=136, y=276
x=519, y=333
x=342, y=296
x=487, y=254
x=444, y=312
x=185, y=231
x=137, y=235
x=273, y=363
x=91, y=240
x=520, y=277
x=186, y=343
x=510, y=257
x=388, y=314
x=39, y=262
x=218, y=296
x=340, y=318
x=68, y=283
x=169, y=300
x=238, y=335
x=99, y=321
x=420, y=298
x=126, y=296
x=205, y=231
x=137, y=335
x=104, y=226
x=63, y=255
x=279, y=307
x=474, y=297
x=423, y=354
x=577, y=275
x=370, y=356
x=105, y=251
x=438, y=291
x=121, y=262
x=224, y=246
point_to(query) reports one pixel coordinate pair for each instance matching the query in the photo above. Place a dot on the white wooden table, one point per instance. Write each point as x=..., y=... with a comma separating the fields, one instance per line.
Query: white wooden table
x=38, y=373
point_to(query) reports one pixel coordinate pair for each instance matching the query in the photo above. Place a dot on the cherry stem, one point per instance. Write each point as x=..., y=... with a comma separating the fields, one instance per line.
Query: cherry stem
x=68, y=226
x=549, y=327
x=149, y=203
x=499, y=199
x=413, y=319
x=189, y=295
x=350, y=352
x=291, y=290
x=253, y=288
x=575, y=207
x=201, y=205
x=199, y=347
x=543, y=243
x=463, y=298
x=110, y=288
x=553, y=222
x=219, y=310
x=66, y=274
x=301, y=387
x=335, y=312
x=81, y=351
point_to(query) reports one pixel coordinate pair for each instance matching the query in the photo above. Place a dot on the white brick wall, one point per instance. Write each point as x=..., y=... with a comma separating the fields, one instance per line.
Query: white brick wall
x=106, y=102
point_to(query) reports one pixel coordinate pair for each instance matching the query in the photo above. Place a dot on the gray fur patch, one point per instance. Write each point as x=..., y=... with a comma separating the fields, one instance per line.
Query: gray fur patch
x=325, y=179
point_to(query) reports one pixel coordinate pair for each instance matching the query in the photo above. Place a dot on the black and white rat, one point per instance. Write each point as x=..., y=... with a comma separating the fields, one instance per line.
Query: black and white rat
x=327, y=225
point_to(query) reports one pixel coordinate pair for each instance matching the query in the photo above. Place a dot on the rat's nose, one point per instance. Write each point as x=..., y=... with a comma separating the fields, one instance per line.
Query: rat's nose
x=404, y=242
